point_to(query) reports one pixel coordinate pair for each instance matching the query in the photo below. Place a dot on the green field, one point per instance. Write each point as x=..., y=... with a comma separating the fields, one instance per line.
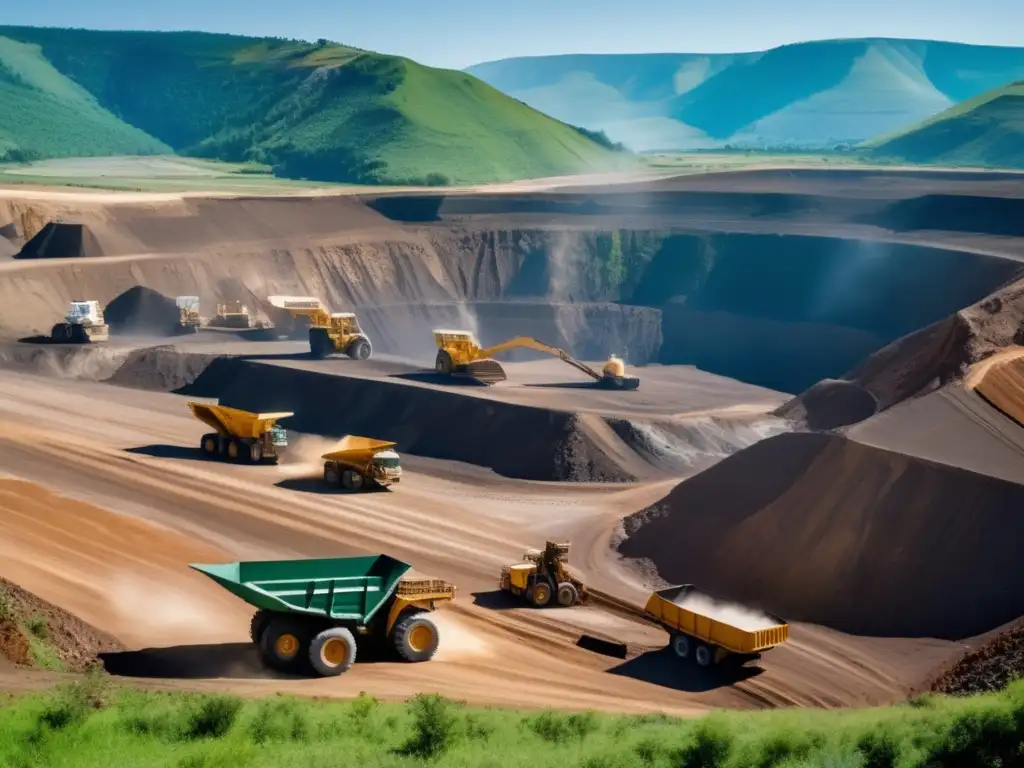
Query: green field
x=95, y=725
x=986, y=131
x=322, y=112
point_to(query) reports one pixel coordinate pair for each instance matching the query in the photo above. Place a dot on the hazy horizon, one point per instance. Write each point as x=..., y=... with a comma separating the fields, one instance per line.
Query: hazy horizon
x=457, y=33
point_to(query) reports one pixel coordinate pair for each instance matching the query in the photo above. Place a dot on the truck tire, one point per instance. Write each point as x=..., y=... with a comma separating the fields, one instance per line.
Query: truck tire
x=540, y=595
x=209, y=445
x=320, y=344
x=359, y=349
x=235, y=449
x=351, y=480
x=284, y=640
x=567, y=594
x=256, y=452
x=704, y=655
x=443, y=363
x=257, y=624
x=416, y=638
x=681, y=646
x=332, y=651
x=332, y=474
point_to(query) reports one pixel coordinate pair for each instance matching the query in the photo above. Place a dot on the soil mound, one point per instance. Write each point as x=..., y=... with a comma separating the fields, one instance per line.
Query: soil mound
x=830, y=404
x=141, y=310
x=27, y=622
x=62, y=241
x=819, y=528
x=991, y=667
x=162, y=369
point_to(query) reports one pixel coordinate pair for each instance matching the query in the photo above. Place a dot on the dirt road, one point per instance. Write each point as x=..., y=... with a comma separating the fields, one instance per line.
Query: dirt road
x=113, y=547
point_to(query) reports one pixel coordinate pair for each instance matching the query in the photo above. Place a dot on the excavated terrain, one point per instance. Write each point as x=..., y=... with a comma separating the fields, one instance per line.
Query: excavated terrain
x=877, y=511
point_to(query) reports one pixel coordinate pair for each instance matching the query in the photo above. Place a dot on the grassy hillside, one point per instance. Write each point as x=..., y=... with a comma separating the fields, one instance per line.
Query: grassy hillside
x=809, y=94
x=45, y=114
x=320, y=111
x=987, y=130
x=90, y=725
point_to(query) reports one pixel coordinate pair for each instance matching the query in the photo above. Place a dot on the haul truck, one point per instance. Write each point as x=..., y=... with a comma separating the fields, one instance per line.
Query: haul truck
x=241, y=435
x=320, y=612
x=362, y=462
x=82, y=324
x=329, y=332
x=460, y=354
x=702, y=627
x=188, y=314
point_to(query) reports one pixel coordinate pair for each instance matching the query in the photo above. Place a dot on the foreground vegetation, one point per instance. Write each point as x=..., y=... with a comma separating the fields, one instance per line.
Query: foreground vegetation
x=317, y=111
x=94, y=724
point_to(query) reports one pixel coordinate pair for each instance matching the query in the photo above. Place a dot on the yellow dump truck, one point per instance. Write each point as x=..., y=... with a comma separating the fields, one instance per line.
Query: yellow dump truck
x=188, y=314
x=329, y=332
x=83, y=324
x=543, y=575
x=241, y=435
x=362, y=462
x=709, y=630
x=460, y=354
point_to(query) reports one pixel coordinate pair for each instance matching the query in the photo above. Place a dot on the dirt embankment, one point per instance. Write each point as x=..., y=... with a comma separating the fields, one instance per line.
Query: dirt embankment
x=818, y=528
x=990, y=667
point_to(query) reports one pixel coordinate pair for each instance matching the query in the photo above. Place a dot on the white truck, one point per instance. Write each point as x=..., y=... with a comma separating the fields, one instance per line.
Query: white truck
x=82, y=324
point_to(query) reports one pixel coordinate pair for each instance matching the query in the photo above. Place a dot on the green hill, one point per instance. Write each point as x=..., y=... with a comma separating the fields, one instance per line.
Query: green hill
x=813, y=94
x=319, y=111
x=987, y=130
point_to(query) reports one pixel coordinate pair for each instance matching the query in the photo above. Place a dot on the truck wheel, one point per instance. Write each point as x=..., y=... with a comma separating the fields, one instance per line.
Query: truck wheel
x=259, y=622
x=359, y=349
x=352, y=480
x=681, y=646
x=331, y=474
x=332, y=651
x=416, y=638
x=256, y=452
x=704, y=656
x=541, y=594
x=283, y=642
x=209, y=445
x=443, y=362
x=234, y=449
x=320, y=344
x=567, y=594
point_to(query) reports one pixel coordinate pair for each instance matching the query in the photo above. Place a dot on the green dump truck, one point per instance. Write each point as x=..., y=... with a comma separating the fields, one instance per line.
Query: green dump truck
x=317, y=613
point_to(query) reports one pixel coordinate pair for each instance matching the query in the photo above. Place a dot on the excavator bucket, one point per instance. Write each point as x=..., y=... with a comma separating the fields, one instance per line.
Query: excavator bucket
x=485, y=371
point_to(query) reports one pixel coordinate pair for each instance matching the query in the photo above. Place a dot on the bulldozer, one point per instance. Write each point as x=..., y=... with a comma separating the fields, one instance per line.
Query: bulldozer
x=329, y=332
x=460, y=354
x=83, y=323
x=542, y=576
x=232, y=314
x=188, y=314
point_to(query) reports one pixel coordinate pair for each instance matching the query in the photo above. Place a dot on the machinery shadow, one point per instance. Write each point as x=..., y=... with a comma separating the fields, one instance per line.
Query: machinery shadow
x=498, y=600
x=318, y=486
x=41, y=339
x=663, y=668
x=168, y=452
x=438, y=379
x=190, y=662
x=566, y=385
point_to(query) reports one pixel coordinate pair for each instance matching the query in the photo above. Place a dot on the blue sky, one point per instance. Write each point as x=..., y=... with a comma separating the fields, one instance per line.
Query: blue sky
x=457, y=33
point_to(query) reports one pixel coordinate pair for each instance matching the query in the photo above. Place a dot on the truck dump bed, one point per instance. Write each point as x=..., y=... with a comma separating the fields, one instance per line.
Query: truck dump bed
x=234, y=422
x=720, y=622
x=351, y=446
x=344, y=588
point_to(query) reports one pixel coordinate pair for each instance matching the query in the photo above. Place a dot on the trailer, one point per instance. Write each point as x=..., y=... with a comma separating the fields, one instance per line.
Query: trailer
x=708, y=629
x=318, y=613
x=241, y=435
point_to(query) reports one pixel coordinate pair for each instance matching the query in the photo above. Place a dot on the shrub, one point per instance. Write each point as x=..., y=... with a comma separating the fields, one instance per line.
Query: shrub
x=434, y=727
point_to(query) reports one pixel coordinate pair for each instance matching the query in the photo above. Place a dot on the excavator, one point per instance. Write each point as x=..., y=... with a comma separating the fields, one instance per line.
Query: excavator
x=460, y=354
x=329, y=332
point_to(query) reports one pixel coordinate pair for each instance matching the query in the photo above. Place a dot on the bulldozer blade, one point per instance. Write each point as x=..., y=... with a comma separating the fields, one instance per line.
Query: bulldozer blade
x=485, y=371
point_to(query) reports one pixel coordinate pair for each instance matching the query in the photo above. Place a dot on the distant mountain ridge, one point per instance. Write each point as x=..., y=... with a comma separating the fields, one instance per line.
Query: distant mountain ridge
x=813, y=94
x=320, y=111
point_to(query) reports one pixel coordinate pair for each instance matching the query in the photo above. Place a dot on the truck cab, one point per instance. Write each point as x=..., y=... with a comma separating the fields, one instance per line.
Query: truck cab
x=386, y=467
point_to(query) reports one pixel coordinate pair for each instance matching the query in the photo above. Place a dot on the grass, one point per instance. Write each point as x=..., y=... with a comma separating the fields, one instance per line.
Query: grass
x=36, y=631
x=90, y=723
x=318, y=111
x=986, y=131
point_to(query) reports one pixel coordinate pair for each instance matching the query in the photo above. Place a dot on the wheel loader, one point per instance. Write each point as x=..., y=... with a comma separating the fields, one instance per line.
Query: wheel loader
x=83, y=323
x=359, y=463
x=329, y=332
x=240, y=435
x=460, y=354
x=542, y=576
x=188, y=314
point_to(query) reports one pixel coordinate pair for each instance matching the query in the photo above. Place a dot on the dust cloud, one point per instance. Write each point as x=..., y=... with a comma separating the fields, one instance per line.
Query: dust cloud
x=303, y=455
x=145, y=607
x=739, y=616
x=457, y=641
x=565, y=265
